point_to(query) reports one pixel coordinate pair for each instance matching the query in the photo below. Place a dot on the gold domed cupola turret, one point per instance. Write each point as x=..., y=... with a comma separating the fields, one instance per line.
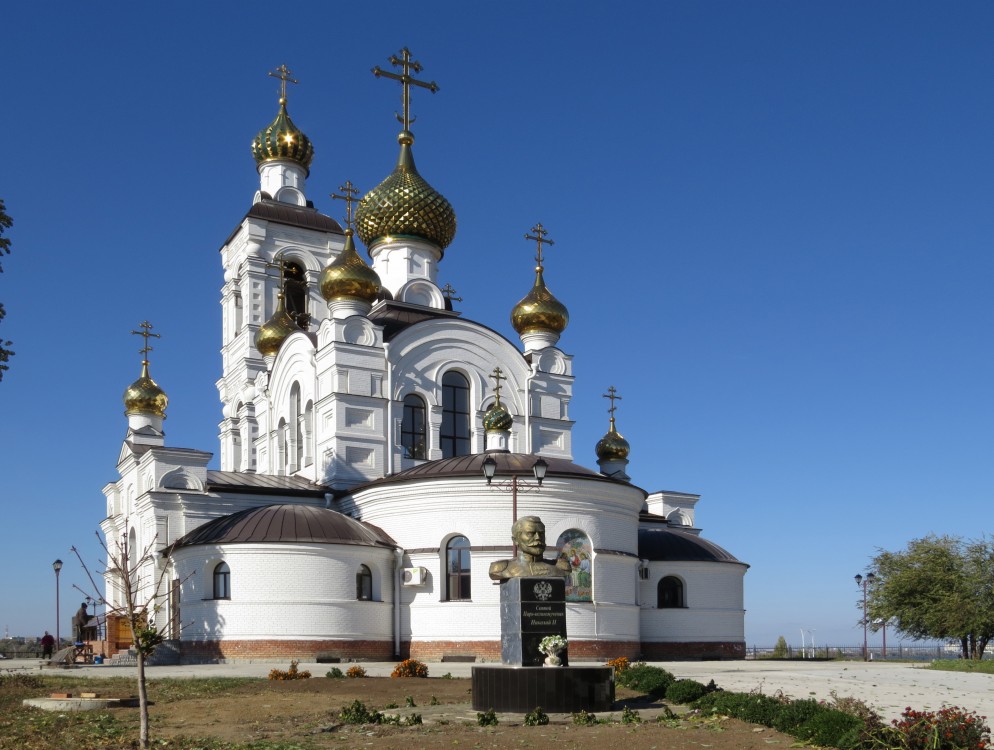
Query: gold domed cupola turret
x=497, y=420
x=539, y=318
x=144, y=401
x=282, y=153
x=612, y=449
x=347, y=283
x=404, y=221
x=271, y=334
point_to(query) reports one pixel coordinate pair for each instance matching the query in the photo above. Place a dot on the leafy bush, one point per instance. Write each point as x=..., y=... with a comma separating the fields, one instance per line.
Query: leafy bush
x=410, y=668
x=830, y=728
x=434, y=701
x=583, y=719
x=413, y=719
x=357, y=713
x=620, y=664
x=652, y=681
x=409, y=701
x=487, y=718
x=808, y=720
x=335, y=673
x=950, y=728
x=289, y=674
x=630, y=716
x=536, y=718
x=356, y=672
x=685, y=691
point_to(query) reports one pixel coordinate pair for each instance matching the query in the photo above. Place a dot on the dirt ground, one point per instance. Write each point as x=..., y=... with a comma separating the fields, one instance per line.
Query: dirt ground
x=305, y=712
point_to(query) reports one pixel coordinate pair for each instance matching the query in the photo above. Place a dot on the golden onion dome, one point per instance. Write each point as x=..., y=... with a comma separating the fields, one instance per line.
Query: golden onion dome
x=612, y=446
x=281, y=139
x=276, y=330
x=539, y=310
x=144, y=396
x=497, y=417
x=348, y=276
x=404, y=204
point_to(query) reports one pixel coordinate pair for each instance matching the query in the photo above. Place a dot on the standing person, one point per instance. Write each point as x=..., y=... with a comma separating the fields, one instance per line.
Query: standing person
x=47, y=643
x=79, y=621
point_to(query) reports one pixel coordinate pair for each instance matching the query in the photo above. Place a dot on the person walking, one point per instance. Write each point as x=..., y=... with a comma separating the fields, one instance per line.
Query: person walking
x=47, y=643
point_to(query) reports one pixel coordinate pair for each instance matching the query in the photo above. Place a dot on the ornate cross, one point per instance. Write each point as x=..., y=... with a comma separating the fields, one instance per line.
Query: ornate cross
x=498, y=375
x=612, y=394
x=406, y=81
x=283, y=73
x=282, y=265
x=350, y=192
x=450, y=294
x=146, y=333
x=539, y=238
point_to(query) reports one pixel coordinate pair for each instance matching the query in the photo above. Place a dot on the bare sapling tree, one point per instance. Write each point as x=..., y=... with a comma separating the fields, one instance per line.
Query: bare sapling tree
x=139, y=592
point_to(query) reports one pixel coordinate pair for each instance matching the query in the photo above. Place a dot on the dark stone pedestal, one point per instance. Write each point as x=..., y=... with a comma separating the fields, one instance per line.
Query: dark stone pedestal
x=530, y=610
x=555, y=689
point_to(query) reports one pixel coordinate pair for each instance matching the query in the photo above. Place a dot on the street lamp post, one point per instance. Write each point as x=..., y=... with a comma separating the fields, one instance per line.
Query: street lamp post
x=57, y=566
x=513, y=485
x=864, y=582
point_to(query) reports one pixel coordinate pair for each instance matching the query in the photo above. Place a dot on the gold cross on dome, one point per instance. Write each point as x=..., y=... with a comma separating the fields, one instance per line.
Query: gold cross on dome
x=539, y=238
x=450, y=294
x=612, y=394
x=498, y=375
x=406, y=81
x=283, y=73
x=350, y=191
x=146, y=333
x=282, y=266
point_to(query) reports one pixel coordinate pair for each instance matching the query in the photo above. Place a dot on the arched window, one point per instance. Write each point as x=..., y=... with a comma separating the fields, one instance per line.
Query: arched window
x=364, y=584
x=132, y=552
x=412, y=429
x=222, y=581
x=574, y=546
x=295, y=293
x=308, y=433
x=454, y=435
x=670, y=593
x=282, y=446
x=457, y=566
x=296, y=429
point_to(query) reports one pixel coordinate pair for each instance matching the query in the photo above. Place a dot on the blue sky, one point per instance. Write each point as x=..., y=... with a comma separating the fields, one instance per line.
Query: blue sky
x=773, y=233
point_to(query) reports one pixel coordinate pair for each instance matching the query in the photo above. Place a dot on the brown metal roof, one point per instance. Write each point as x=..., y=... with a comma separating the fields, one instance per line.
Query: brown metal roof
x=294, y=216
x=263, y=484
x=286, y=524
x=472, y=466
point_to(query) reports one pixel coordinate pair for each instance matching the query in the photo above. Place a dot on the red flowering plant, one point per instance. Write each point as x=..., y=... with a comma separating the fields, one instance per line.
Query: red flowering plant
x=951, y=728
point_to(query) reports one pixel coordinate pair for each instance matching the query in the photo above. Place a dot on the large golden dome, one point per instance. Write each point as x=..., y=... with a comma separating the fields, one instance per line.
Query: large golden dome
x=404, y=204
x=144, y=396
x=276, y=330
x=612, y=446
x=348, y=276
x=539, y=310
x=283, y=140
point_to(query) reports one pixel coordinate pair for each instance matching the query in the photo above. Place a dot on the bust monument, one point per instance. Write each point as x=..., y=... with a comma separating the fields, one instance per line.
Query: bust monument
x=528, y=533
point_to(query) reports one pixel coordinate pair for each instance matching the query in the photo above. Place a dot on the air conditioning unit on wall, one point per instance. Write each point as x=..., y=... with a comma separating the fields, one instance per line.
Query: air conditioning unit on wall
x=415, y=576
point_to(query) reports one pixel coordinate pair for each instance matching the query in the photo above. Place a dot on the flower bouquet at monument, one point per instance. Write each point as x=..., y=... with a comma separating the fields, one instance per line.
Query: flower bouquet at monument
x=552, y=646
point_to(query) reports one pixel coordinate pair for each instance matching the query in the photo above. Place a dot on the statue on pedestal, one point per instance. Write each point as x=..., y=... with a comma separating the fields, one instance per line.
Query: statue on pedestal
x=528, y=534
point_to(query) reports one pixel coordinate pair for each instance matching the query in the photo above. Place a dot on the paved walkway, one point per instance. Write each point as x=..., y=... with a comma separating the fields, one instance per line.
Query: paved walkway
x=887, y=686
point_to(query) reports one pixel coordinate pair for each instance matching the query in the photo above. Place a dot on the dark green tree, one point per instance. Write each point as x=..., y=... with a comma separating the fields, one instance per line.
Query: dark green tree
x=5, y=223
x=938, y=587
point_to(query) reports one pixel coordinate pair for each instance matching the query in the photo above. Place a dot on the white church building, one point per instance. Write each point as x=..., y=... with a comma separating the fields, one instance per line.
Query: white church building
x=351, y=516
